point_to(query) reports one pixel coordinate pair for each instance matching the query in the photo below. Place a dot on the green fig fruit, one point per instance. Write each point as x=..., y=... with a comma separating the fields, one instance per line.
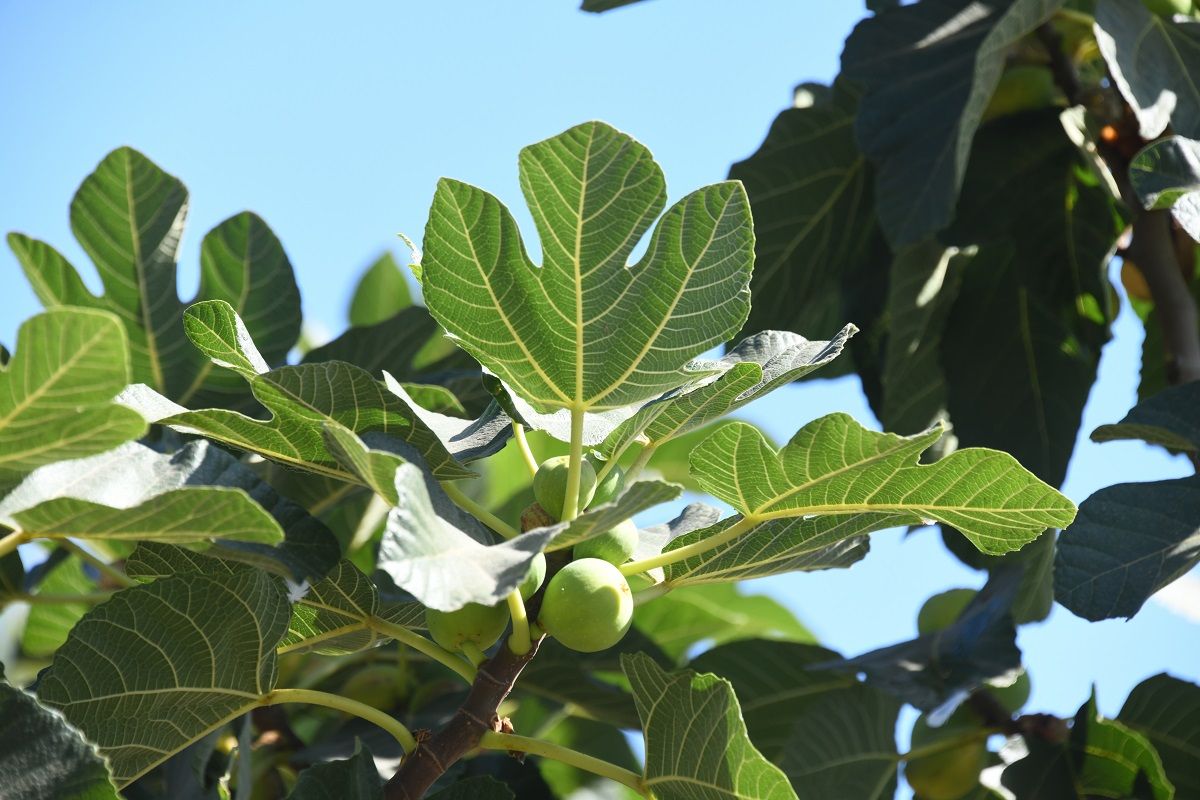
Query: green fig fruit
x=587, y=606
x=610, y=487
x=533, y=578
x=550, y=484
x=476, y=623
x=376, y=685
x=941, y=610
x=951, y=773
x=615, y=545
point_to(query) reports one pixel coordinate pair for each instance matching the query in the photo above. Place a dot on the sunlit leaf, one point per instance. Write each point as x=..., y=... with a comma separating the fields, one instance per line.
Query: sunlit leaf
x=1166, y=174
x=128, y=215
x=696, y=742
x=831, y=735
x=835, y=467
x=56, y=393
x=381, y=293
x=584, y=331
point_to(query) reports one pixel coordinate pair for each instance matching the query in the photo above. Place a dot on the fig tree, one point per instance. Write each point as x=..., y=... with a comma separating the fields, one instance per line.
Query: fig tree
x=479, y=624
x=533, y=578
x=587, y=606
x=615, y=545
x=550, y=484
x=941, y=610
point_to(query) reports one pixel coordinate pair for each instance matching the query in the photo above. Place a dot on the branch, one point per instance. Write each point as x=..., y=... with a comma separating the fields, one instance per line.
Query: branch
x=465, y=730
x=1061, y=65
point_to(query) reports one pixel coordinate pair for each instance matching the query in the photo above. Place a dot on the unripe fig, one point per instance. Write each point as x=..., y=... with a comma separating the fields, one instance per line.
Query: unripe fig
x=946, y=774
x=1022, y=88
x=533, y=578
x=941, y=610
x=615, y=545
x=610, y=487
x=587, y=606
x=550, y=484
x=1014, y=696
x=476, y=623
x=375, y=685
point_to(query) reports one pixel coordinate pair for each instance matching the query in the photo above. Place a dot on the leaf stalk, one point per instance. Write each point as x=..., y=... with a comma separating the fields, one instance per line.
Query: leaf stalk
x=345, y=704
x=478, y=511
x=571, y=501
x=524, y=744
x=694, y=549
x=422, y=645
x=519, y=640
x=523, y=446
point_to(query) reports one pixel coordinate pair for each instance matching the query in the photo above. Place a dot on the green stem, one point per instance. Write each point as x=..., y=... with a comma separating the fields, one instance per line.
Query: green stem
x=114, y=574
x=651, y=593
x=611, y=463
x=537, y=747
x=571, y=501
x=60, y=599
x=10, y=542
x=353, y=707
x=519, y=642
x=523, y=446
x=945, y=744
x=422, y=645
x=482, y=514
x=473, y=653
x=639, y=463
x=694, y=549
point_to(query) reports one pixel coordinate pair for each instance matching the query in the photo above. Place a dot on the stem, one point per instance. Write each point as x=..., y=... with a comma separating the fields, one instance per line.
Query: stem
x=106, y=569
x=945, y=744
x=523, y=446
x=353, y=707
x=519, y=641
x=473, y=653
x=523, y=744
x=482, y=514
x=422, y=645
x=10, y=542
x=651, y=593
x=639, y=463
x=694, y=549
x=1153, y=252
x=59, y=599
x=571, y=501
x=613, y=458
x=464, y=731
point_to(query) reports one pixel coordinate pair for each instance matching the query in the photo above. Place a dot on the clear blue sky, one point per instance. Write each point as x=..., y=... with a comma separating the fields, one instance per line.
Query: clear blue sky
x=334, y=120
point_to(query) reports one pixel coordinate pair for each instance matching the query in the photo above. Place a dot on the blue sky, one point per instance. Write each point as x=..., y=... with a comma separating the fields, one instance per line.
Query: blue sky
x=334, y=120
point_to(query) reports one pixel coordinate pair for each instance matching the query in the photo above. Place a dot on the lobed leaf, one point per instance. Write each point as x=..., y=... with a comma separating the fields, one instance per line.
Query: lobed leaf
x=353, y=778
x=584, y=331
x=56, y=392
x=128, y=216
x=835, y=467
x=696, y=742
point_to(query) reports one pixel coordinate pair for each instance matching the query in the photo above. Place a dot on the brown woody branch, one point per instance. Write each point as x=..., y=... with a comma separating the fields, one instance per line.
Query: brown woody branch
x=477, y=715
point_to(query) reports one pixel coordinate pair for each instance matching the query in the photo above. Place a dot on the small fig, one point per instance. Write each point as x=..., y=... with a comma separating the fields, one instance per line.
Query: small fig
x=615, y=545
x=941, y=610
x=476, y=623
x=587, y=606
x=610, y=487
x=533, y=578
x=550, y=484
